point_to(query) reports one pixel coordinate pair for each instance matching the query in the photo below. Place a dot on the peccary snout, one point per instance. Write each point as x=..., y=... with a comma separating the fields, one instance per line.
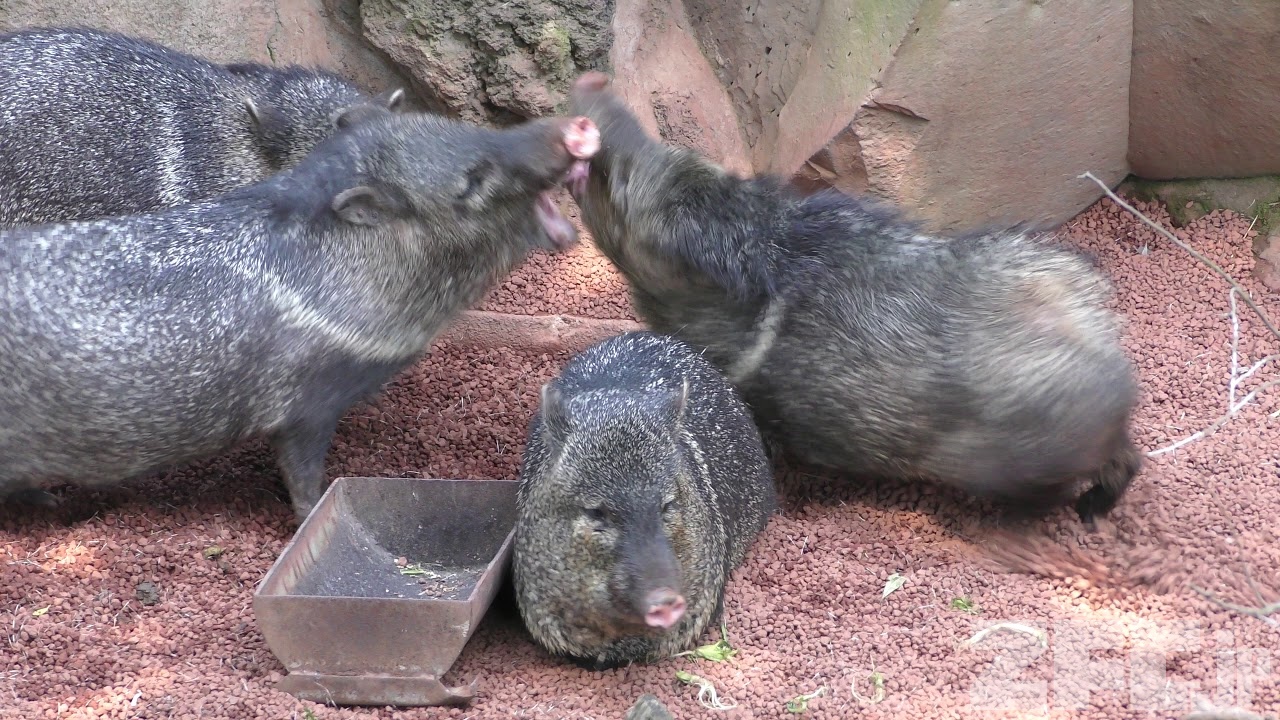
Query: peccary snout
x=542, y=153
x=664, y=608
x=580, y=139
x=650, y=571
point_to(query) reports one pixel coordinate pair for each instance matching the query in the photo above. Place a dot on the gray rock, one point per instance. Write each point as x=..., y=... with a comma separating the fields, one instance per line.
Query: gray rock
x=492, y=62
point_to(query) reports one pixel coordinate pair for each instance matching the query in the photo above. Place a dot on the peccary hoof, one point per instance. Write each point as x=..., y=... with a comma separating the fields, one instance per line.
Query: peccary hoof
x=35, y=497
x=649, y=707
x=1092, y=503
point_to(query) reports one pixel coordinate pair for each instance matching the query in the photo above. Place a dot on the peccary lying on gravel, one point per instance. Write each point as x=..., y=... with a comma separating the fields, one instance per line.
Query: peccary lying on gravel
x=987, y=361
x=98, y=124
x=644, y=483
x=135, y=343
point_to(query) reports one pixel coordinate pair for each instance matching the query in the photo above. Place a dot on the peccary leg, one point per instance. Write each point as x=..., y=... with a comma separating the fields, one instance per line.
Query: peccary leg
x=1111, y=482
x=300, y=452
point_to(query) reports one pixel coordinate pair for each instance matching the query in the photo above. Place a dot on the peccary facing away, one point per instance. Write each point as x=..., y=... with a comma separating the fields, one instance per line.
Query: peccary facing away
x=986, y=361
x=99, y=124
x=135, y=343
x=644, y=483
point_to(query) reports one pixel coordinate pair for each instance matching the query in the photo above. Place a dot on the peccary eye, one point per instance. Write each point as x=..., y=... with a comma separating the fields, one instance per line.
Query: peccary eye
x=596, y=515
x=668, y=506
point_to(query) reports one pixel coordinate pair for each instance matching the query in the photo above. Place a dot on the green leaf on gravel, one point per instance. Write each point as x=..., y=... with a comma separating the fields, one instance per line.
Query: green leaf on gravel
x=718, y=651
x=40, y=612
x=707, y=695
x=877, y=690
x=213, y=552
x=800, y=703
x=894, y=582
x=964, y=604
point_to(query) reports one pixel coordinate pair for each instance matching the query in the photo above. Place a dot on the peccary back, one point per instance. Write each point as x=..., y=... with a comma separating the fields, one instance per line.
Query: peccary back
x=135, y=343
x=988, y=361
x=644, y=483
x=98, y=124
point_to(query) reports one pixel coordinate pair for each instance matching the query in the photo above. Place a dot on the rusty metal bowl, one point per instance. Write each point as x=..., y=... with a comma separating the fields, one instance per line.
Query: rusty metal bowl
x=352, y=622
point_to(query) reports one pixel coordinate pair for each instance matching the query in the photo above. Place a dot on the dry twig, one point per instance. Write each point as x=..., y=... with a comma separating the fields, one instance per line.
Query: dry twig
x=1194, y=253
x=1237, y=377
x=1206, y=711
x=1262, y=612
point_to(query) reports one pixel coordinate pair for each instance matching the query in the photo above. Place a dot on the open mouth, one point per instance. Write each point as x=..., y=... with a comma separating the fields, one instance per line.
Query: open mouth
x=559, y=230
x=557, y=227
x=576, y=178
x=581, y=139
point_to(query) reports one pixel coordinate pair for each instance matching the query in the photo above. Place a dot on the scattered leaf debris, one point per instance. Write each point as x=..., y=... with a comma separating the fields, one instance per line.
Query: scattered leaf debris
x=800, y=703
x=894, y=582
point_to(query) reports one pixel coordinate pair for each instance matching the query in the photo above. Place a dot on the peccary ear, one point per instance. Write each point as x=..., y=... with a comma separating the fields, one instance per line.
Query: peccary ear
x=392, y=99
x=677, y=402
x=262, y=118
x=555, y=414
x=389, y=101
x=252, y=107
x=364, y=205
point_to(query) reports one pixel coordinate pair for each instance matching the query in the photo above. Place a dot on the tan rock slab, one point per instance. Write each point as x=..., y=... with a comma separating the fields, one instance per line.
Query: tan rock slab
x=1205, y=89
x=989, y=112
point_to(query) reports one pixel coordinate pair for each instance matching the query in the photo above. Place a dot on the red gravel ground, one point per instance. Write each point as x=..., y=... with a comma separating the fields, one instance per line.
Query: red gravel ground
x=807, y=610
x=579, y=282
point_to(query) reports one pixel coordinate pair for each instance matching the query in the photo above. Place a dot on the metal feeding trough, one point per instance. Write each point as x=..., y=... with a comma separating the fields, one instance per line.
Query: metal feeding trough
x=383, y=585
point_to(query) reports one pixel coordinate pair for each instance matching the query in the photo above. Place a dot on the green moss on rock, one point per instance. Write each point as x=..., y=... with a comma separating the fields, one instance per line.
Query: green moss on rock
x=553, y=51
x=1189, y=200
x=493, y=62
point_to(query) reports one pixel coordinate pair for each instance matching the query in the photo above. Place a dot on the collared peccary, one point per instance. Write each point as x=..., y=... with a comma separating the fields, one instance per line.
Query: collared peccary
x=986, y=361
x=98, y=124
x=136, y=343
x=643, y=485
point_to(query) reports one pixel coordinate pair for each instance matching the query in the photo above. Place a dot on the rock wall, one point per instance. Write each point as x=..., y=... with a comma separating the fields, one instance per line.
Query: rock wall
x=983, y=112
x=492, y=62
x=963, y=112
x=1205, y=92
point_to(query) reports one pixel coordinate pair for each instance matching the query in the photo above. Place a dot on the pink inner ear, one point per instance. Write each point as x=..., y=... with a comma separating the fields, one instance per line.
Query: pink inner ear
x=582, y=138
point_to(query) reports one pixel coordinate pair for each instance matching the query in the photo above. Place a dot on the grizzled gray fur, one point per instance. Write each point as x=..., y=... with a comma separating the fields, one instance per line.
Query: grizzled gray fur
x=644, y=483
x=98, y=124
x=986, y=361
x=136, y=343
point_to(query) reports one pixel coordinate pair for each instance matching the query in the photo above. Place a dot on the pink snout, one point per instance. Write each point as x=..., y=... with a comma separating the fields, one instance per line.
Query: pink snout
x=665, y=608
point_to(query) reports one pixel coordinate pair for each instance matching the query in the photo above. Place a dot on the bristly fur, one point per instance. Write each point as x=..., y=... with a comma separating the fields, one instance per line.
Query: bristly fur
x=617, y=435
x=99, y=124
x=987, y=360
x=135, y=343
